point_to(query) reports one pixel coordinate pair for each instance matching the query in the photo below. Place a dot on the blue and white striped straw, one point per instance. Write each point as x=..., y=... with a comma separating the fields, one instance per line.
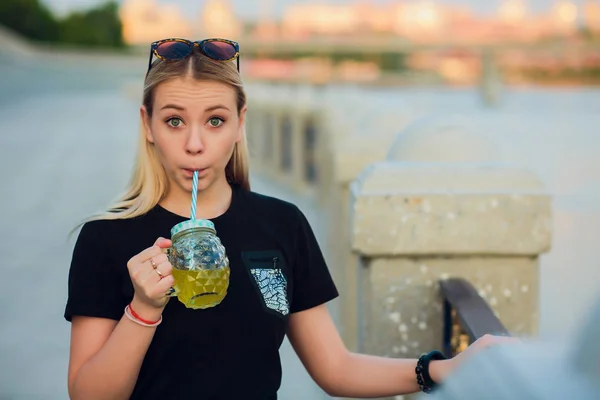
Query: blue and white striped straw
x=194, y=195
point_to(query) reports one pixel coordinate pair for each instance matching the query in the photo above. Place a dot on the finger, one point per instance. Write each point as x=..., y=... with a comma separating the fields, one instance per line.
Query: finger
x=145, y=255
x=139, y=272
x=146, y=268
x=161, y=258
x=164, y=268
x=150, y=252
x=163, y=243
x=148, y=277
x=496, y=340
x=509, y=340
x=164, y=286
x=159, y=246
x=140, y=269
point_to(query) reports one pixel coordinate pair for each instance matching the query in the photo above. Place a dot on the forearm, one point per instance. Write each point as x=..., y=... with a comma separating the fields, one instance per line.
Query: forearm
x=113, y=371
x=364, y=376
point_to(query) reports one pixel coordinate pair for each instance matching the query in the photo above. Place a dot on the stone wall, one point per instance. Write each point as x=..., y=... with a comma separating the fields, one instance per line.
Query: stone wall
x=407, y=207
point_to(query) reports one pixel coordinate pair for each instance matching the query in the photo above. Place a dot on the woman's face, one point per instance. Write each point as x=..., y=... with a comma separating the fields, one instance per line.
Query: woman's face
x=194, y=126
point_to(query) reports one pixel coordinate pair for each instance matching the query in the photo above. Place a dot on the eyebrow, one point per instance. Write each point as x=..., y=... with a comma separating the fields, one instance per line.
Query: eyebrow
x=218, y=106
x=174, y=106
x=180, y=108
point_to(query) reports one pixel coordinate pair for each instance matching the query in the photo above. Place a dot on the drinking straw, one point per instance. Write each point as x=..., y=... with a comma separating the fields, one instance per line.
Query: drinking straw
x=194, y=195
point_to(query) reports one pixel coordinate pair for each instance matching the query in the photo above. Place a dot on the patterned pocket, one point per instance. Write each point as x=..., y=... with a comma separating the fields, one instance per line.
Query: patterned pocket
x=273, y=287
x=268, y=269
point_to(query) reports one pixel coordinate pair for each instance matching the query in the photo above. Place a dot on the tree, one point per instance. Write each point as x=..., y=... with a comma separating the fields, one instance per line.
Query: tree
x=100, y=26
x=30, y=18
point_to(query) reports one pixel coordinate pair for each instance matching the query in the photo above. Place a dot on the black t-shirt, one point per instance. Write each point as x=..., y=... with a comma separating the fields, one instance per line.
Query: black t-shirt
x=230, y=351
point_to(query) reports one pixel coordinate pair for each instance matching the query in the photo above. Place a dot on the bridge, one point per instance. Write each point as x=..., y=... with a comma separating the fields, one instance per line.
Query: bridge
x=429, y=249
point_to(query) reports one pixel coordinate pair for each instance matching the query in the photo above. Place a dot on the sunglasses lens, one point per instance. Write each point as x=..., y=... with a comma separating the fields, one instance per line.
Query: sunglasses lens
x=219, y=50
x=174, y=50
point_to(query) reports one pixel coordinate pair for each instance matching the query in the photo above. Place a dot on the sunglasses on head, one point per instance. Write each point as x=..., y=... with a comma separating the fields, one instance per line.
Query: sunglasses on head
x=178, y=49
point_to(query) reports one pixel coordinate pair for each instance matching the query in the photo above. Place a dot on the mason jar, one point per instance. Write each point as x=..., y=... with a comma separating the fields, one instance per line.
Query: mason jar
x=200, y=264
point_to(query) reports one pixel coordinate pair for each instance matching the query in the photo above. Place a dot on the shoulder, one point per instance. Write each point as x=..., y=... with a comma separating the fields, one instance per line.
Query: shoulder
x=93, y=237
x=95, y=229
x=273, y=207
x=103, y=226
x=283, y=217
x=102, y=230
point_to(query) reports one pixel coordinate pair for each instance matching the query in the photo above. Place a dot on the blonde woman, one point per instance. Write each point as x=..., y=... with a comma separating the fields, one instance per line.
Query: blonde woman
x=129, y=342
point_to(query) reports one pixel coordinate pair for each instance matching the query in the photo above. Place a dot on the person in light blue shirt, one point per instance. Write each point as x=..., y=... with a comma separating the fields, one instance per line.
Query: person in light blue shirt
x=531, y=371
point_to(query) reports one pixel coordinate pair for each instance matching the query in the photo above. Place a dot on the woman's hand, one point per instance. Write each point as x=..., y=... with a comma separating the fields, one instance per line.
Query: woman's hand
x=150, y=273
x=439, y=370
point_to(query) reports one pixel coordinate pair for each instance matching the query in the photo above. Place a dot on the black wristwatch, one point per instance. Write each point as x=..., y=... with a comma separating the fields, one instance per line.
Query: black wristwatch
x=426, y=384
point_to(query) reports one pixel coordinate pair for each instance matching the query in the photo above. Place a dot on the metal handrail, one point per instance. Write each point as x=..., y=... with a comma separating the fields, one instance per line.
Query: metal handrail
x=467, y=316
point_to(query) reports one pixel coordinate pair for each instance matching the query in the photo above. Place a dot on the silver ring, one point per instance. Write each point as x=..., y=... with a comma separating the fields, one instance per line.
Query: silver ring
x=153, y=263
x=158, y=272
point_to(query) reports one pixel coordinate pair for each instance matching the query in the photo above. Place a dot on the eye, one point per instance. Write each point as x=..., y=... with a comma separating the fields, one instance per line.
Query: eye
x=215, y=122
x=174, y=122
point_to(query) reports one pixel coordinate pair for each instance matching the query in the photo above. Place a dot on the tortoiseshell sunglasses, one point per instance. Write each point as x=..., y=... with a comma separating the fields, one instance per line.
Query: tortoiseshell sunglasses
x=175, y=49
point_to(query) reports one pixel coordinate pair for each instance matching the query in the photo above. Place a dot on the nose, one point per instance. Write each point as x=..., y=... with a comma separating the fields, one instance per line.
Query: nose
x=194, y=143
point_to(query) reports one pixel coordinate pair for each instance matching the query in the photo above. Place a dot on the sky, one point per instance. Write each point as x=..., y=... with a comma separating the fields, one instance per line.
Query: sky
x=249, y=9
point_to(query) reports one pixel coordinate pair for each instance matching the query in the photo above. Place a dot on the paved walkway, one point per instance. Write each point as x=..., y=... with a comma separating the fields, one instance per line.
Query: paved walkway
x=63, y=156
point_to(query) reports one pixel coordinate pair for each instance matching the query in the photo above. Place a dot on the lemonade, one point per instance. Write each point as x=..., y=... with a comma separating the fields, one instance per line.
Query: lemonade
x=200, y=264
x=199, y=289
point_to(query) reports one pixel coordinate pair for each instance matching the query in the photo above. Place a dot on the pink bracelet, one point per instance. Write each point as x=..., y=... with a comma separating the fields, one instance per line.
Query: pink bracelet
x=129, y=315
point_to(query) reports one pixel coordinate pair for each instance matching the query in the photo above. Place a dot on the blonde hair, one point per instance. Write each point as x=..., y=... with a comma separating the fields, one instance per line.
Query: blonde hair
x=149, y=184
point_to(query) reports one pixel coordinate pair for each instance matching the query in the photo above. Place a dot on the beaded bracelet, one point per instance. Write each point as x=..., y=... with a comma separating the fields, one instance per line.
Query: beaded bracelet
x=133, y=316
x=426, y=384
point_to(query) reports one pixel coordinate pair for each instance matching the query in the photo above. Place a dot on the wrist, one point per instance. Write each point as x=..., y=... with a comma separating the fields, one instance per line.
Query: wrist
x=439, y=370
x=146, y=311
x=431, y=369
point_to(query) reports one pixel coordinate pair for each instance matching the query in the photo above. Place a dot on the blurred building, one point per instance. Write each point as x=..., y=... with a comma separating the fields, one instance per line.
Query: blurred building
x=217, y=19
x=322, y=19
x=591, y=15
x=416, y=20
x=360, y=17
x=564, y=16
x=429, y=20
x=267, y=27
x=145, y=21
x=421, y=20
x=512, y=12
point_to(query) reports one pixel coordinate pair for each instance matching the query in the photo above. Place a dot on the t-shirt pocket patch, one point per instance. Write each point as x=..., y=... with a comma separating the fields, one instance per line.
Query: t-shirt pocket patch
x=268, y=271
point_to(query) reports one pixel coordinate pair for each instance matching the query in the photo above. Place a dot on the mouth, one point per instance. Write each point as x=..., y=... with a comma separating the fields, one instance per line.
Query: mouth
x=189, y=172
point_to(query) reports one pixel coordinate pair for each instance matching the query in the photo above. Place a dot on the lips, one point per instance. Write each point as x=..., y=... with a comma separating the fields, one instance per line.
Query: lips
x=189, y=172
